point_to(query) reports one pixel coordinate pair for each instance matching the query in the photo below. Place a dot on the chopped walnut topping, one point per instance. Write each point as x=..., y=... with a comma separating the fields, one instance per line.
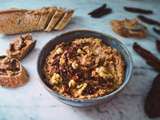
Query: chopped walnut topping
x=61, y=61
x=102, y=72
x=72, y=83
x=81, y=88
x=80, y=51
x=59, y=51
x=74, y=65
x=55, y=79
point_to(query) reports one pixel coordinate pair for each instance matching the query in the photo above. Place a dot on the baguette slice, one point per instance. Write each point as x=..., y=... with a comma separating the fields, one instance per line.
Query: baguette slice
x=65, y=20
x=31, y=22
x=55, y=19
x=12, y=73
x=21, y=46
x=46, y=15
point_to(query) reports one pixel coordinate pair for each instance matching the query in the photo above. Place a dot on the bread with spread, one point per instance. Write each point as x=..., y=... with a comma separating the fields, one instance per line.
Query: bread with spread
x=12, y=73
x=21, y=46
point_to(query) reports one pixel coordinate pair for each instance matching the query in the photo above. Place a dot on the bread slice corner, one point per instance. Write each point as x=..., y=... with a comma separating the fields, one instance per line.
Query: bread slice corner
x=46, y=15
x=55, y=19
x=65, y=20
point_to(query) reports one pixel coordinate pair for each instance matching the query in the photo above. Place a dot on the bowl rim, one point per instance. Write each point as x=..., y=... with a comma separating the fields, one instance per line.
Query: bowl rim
x=121, y=87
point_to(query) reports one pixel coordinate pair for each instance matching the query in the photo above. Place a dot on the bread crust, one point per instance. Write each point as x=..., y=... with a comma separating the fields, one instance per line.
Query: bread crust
x=12, y=10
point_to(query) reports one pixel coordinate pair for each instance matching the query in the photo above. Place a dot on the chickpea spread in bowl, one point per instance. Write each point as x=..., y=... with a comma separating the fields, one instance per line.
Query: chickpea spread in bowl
x=84, y=68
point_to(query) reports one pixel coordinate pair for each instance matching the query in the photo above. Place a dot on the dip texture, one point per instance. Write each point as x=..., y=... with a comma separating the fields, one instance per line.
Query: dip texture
x=84, y=68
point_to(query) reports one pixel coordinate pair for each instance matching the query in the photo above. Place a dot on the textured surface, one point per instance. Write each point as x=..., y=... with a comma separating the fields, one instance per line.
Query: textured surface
x=33, y=102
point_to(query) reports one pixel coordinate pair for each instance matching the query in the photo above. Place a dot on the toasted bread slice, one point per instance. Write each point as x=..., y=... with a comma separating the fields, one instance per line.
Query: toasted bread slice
x=129, y=28
x=21, y=46
x=51, y=13
x=55, y=19
x=65, y=20
x=12, y=73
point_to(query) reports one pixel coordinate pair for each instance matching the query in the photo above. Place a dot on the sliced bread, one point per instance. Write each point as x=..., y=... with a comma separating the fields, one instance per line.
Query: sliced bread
x=45, y=19
x=65, y=20
x=46, y=15
x=55, y=19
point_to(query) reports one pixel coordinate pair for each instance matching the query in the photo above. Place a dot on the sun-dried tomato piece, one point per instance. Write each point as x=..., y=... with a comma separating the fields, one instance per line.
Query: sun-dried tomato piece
x=158, y=45
x=152, y=102
x=101, y=11
x=89, y=90
x=148, y=20
x=138, y=10
x=147, y=56
x=156, y=30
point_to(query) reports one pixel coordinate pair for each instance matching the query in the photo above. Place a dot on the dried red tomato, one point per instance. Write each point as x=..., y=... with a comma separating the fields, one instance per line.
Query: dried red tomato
x=147, y=56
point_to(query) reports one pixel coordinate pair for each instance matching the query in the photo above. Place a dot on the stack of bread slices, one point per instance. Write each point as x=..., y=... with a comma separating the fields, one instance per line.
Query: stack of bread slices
x=45, y=19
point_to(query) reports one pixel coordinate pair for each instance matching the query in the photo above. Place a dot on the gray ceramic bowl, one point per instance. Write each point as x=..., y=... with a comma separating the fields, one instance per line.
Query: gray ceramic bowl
x=69, y=36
